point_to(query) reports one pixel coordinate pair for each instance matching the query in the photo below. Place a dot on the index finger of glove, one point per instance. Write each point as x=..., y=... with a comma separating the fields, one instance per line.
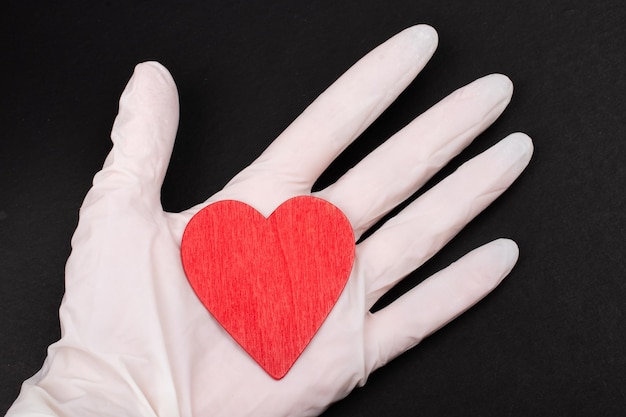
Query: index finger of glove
x=294, y=161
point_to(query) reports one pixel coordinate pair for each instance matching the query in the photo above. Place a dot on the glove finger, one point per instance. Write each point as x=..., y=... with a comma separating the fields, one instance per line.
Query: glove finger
x=143, y=136
x=418, y=232
x=437, y=301
x=294, y=161
x=407, y=160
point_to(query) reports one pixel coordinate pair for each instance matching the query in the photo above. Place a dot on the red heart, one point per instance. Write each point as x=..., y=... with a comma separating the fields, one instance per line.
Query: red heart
x=269, y=282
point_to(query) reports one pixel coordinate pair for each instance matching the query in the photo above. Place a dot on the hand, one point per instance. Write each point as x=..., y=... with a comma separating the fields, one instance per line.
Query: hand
x=136, y=341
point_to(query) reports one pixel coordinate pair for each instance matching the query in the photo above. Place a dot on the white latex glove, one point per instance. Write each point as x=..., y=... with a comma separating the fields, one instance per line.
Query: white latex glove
x=136, y=341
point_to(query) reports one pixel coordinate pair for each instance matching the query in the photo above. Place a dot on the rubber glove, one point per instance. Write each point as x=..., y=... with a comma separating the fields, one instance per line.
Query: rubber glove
x=136, y=341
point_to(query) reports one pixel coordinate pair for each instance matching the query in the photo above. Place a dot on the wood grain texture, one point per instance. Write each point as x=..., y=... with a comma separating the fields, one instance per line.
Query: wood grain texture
x=269, y=282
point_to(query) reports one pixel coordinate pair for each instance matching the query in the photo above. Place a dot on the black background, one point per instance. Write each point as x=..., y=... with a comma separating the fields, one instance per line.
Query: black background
x=549, y=341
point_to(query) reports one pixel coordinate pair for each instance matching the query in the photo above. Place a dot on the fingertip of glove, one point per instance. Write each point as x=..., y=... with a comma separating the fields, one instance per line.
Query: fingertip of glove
x=501, y=254
x=423, y=31
x=522, y=143
x=515, y=149
x=420, y=39
x=508, y=251
x=423, y=34
x=153, y=69
x=500, y=83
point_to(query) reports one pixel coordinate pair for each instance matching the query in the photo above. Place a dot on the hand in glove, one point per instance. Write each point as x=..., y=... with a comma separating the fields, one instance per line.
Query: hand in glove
x=136, y=341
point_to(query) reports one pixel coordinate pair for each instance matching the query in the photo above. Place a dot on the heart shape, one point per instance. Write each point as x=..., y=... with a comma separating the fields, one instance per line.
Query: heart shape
x=270, y=282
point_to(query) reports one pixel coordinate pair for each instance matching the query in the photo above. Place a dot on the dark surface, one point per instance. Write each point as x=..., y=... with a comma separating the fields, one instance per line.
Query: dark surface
x=550, y=341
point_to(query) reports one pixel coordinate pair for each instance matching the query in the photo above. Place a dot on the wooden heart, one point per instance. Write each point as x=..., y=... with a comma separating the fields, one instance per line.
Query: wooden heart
x=269, y=282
